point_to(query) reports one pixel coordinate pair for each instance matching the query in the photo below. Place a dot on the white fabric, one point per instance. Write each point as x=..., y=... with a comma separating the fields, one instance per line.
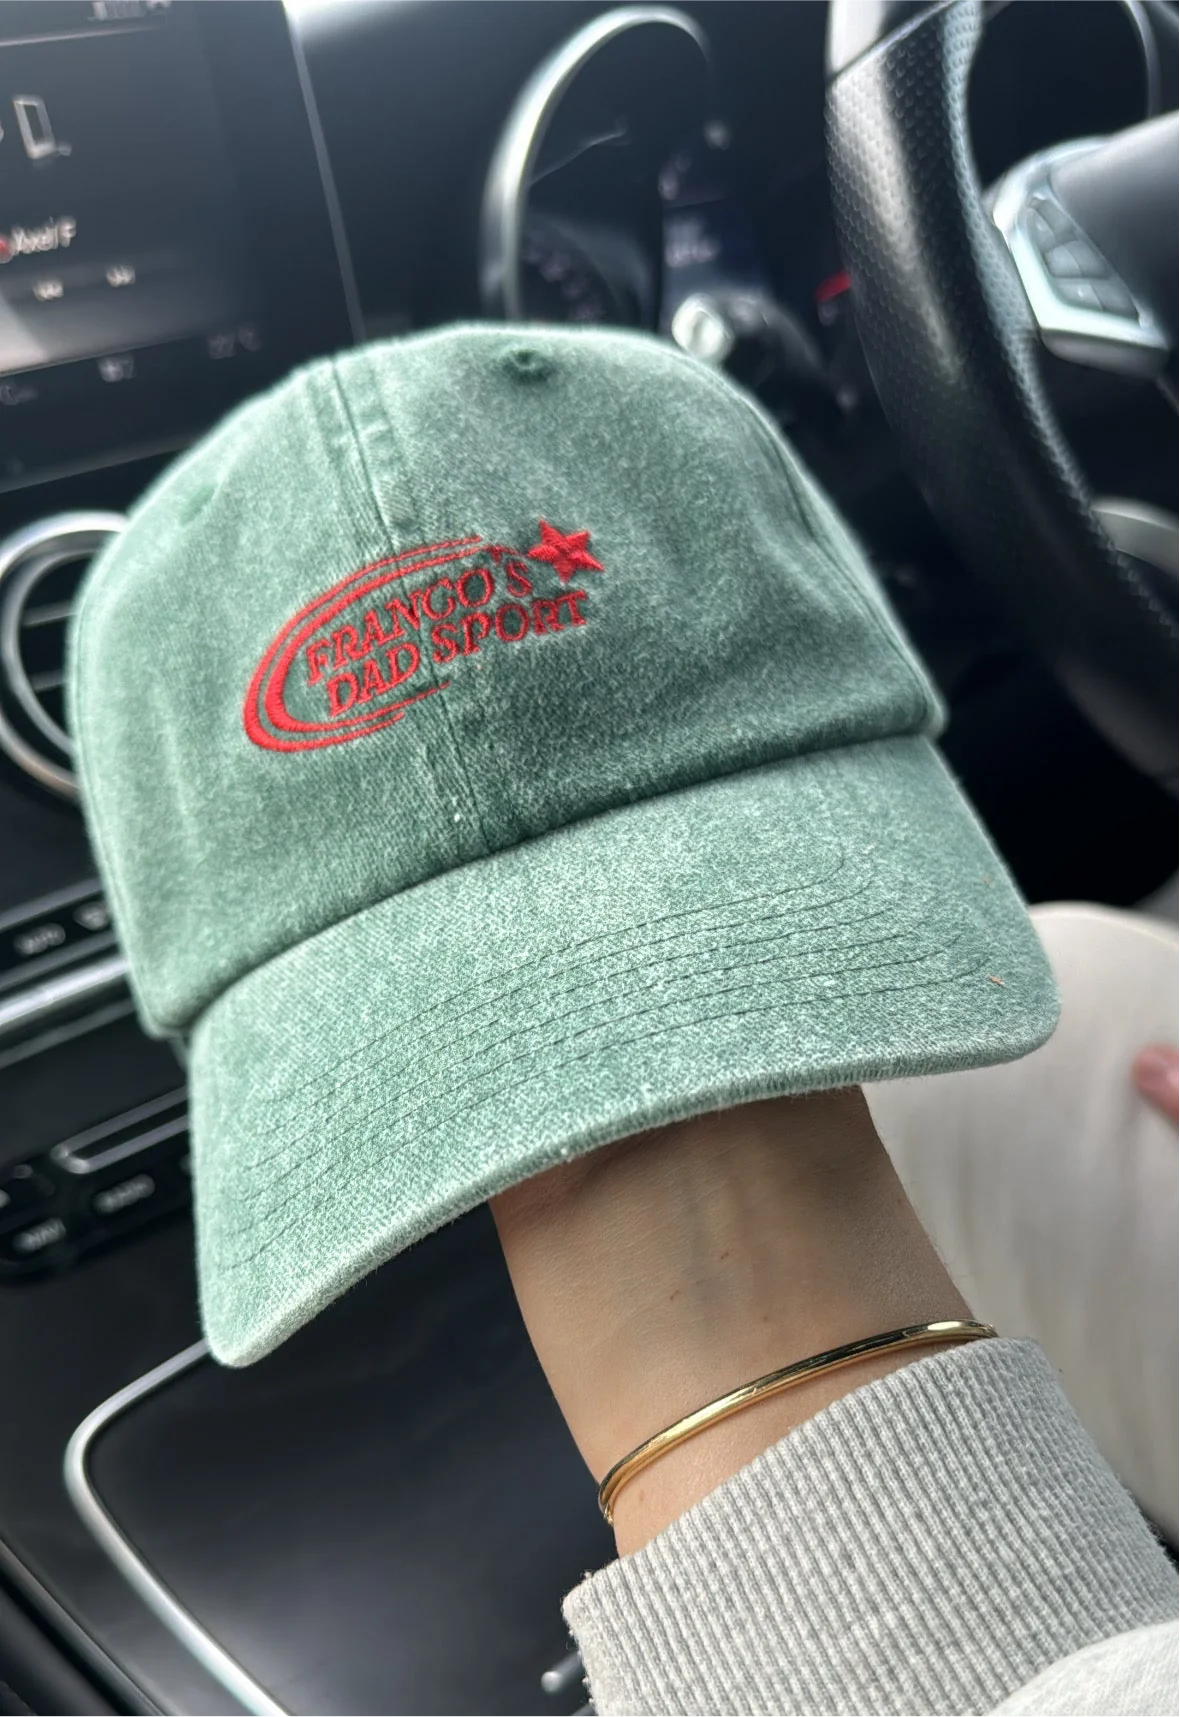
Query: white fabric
x=1050, y=1188
x=1126, y=1676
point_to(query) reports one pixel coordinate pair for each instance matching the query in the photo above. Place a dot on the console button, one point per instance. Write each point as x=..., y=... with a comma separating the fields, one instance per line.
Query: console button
x=136, y=1193
x=93, y=915
x=35, y=1242
x=17, y=392
x=152, y=1188
x=116, y=367
x=65, y=934
x=22, y=1189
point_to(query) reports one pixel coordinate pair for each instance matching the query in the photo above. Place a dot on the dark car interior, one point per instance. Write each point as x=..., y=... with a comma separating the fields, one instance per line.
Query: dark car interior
x=859, y=212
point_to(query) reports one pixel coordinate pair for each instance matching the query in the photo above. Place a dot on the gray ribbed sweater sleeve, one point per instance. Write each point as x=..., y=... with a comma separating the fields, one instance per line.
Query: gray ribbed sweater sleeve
x=930, y=1543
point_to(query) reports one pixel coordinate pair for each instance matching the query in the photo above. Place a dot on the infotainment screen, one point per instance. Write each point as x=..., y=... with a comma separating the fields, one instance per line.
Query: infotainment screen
x=152, y=269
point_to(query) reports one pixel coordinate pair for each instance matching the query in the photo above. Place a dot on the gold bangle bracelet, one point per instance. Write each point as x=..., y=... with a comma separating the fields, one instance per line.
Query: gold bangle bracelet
x=913, y=1335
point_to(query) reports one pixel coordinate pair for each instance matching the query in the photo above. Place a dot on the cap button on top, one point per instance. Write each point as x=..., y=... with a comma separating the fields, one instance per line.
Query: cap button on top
x=526, y=364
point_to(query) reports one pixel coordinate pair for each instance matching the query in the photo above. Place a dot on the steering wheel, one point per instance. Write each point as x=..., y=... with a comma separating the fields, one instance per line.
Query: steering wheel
x=951, y=298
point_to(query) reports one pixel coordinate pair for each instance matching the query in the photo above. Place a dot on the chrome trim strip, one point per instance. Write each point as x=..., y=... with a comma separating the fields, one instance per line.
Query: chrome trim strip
x=98, y=462
x=129, y=1148
x=27, y=1047
x=122, y=1553
x=104, y=1129
x=18, y=977
x=66, y=1154
x=91, y=1654
x=31, y=1005
x=1149, y=48
x=72, y=896
x=119, y=1153
x=352, y=302
x=502, y=214
x=563, y=1675
x=1139, y=529
x=32, y=970
x=25, y=557
x=1095, y=337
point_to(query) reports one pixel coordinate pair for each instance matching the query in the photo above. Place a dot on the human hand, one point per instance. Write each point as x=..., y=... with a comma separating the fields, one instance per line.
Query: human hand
x=1156, y=1072
x=658, y=1273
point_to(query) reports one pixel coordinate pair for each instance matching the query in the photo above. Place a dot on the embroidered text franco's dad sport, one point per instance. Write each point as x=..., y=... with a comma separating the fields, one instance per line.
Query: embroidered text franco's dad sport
x=358, y=657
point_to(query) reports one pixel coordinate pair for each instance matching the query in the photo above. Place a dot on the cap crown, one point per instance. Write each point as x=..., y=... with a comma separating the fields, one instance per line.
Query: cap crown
x=437, y=597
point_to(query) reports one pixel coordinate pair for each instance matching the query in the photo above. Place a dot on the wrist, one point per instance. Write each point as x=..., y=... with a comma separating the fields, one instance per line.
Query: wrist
x=659, y=1273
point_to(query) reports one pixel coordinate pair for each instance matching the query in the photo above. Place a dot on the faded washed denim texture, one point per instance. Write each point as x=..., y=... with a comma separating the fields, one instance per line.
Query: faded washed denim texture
x=661, y=829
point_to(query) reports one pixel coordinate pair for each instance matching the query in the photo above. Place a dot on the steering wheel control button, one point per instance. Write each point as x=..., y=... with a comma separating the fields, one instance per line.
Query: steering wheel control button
x=1082, y=310
x=1076, y=259
x=1114, y=298
x=1083, y=293
x=1039, y=230
x=1048, y=218
x=1062, y=262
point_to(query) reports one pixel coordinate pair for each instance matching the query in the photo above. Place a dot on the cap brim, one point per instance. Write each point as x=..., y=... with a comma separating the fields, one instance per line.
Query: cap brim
x=837, y=918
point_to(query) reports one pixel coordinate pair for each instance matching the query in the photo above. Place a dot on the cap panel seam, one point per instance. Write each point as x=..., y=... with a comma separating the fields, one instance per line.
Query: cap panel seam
x=444, y=713
x=800, y=487
x=807, y=503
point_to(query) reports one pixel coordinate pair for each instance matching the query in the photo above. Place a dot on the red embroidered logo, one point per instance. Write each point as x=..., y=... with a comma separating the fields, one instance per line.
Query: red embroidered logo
x=358, y=657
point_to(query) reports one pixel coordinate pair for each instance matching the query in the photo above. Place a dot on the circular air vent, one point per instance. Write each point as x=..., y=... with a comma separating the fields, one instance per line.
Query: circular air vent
x=40, y=570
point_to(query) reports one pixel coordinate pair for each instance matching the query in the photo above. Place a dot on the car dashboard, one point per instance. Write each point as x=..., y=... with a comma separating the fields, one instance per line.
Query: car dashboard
x=193, y=200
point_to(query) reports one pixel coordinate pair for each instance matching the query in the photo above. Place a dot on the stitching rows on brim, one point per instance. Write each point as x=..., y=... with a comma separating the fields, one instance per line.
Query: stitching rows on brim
x=456, y=1013
x=537, y=1045
x=567, y=971
x=818, y=751
x=494, y=1004
x=379, y=1145
x=630, y=970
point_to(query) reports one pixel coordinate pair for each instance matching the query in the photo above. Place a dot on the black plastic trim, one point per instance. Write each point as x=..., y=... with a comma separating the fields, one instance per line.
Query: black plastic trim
x=34, y=1669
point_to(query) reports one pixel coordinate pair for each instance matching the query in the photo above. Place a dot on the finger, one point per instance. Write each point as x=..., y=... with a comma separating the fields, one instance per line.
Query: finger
x=1156, y=1072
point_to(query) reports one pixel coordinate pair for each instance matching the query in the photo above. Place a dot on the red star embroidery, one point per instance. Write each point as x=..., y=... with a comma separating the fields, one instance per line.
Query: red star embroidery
x=566, y=554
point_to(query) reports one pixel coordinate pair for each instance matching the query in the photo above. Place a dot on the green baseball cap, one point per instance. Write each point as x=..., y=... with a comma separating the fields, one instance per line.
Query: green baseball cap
x=493, y=745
